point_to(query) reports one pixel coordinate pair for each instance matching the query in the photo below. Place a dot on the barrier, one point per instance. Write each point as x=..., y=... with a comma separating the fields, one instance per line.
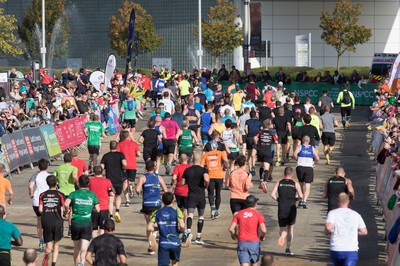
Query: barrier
x=364, y=95
x=29, y=145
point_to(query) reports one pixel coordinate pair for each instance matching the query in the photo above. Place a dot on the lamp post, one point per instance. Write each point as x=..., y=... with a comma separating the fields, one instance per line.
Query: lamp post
x=43, y=48
x=200, y=51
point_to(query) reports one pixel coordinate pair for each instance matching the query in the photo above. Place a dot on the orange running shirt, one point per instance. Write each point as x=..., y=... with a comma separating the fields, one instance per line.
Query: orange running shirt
x=212, y=160
x=5, y=185
x=237, y=183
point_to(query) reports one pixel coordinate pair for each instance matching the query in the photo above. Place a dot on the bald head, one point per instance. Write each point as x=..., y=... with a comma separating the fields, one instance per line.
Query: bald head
x=183, y=158
x=343, y=200
x=340, y=171
x=268, y=260
x=30, y=256
x=197, y=158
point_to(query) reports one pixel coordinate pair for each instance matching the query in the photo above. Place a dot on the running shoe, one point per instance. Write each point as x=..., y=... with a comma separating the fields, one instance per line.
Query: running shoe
x=79, y=264
x=347, y=125
x=69, y=232
x=168, y=169
x=263, y=187
x=269, y=179
x=184, y=237
x=277, y=164
x=300, y=203
x=117, y=217
x=212, y=213
x=189, y=240
x=198, y=241
x=151, y=251
x=281, y=241
x=288, y=252
x=45, y=261
x=217, y=214
x=127, y=203
x=41, y=246
x=304, y=205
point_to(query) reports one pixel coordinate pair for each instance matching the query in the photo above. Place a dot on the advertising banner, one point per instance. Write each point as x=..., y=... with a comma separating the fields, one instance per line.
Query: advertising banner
x=110, y=67
x=35, y=143
x=303, y=50
x=96, y=78
x=15, y=149
x=394, y=80
x=71, y=133
x=50, y=138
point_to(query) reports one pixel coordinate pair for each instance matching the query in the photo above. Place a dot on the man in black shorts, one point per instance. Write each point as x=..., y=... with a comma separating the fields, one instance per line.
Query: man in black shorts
x=197, y=179
x=265, y=141
x=286, y=192
x=328, y=138
x=305, y=154
x=51, y=206
x=115, y=163
x=151, y=139
x=252, y=127
x=283, y=129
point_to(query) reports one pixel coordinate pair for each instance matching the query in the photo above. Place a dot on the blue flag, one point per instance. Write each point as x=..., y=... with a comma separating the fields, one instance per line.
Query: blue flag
x=131, y=33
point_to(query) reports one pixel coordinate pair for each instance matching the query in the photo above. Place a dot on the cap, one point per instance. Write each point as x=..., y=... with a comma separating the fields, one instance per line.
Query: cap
x=94, y=95
x=158, y=118
x=280, y=83
x=237, y=85
x=251, y=200
x=298, y=111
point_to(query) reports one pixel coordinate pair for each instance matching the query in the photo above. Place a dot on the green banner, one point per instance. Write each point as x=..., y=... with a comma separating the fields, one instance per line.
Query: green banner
x=50, y=138
x=364, y=95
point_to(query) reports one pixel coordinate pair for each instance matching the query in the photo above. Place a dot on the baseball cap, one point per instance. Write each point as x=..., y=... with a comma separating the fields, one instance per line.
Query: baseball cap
x=280, y=83
x=298, y=111
x=251, y=200
x=158, y=119
x=237, y=84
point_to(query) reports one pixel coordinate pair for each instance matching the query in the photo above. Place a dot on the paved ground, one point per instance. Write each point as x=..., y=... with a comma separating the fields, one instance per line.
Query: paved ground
x=311, y=246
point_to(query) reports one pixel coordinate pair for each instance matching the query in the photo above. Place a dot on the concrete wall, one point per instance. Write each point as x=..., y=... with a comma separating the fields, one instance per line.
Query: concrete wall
x=283, y=20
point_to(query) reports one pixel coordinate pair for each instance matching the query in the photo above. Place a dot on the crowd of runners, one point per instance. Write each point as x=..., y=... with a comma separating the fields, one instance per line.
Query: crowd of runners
x=207, y=138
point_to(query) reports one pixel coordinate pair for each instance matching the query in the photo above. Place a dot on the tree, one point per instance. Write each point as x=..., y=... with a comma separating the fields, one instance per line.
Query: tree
x=57, y=28
x=8, y=41
x=221, y=33
x=341, y=30
x=149, y=41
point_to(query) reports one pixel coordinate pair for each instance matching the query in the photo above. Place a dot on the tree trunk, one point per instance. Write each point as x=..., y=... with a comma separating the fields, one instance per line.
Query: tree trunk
x=338, y=62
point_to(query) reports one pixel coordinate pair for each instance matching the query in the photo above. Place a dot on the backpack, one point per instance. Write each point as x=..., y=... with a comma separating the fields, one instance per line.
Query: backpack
x=130, y=105
x=346, y=97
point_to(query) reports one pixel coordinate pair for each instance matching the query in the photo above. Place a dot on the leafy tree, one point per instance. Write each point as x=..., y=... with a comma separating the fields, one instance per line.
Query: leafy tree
x=149, y=41
x=341, y=29
x=56, y=19
x=8, y=41
x=221, y=34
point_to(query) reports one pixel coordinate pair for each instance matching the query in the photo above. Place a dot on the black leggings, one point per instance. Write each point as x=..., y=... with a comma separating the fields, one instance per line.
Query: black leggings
x=217, y=185
x=345, y=113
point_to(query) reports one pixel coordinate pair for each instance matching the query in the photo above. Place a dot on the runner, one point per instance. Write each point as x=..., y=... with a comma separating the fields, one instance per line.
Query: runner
x=231, y=140
x=286, y=192
x=242, y=126
x=30, y=257
x=151, y=139
x=169, y=222
x=94, y=130
x=265, y=141
x=160, y=148
x=150, y=184
x=67, y=180
x=128, y=109
x=106, y=248
x=316, y=122
x=131, y=151
x=347, y=102
x=78, y=163
x=252, y=127
x=307, y=130
x=336, y=185
x=81, y=204
x=169, y=128
x=38, y=181
x=206, y=120
x=51, y=207
x=251, y=229
x=8, y=232
x=169, y=105
x=186, y=138
x=5, y=187
x=328, y=138
x=344, y=247
x=283, y=128
x=103, y=189
x=239, y=182
x=180, y=191
x=197, y=179
x=324, y=101
x=215, y=162
x=305, y=154
x=114, y=163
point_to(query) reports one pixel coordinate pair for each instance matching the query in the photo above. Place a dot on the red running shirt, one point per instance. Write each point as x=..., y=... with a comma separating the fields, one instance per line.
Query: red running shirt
x=101, y=186
x=178, y=171
x=80, y=165
x=248, y=221
x=129, y=148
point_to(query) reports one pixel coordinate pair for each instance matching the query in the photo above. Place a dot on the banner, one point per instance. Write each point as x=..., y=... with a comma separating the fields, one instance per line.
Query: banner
x=35, y=143
x=71, y=132
x=394, y=80
x=50, y=138
x=110, y=67
x=96, y=78
x=15, y=149
x=131, y=33
x=363, y=95
x=303, y=50
x=113, y=116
